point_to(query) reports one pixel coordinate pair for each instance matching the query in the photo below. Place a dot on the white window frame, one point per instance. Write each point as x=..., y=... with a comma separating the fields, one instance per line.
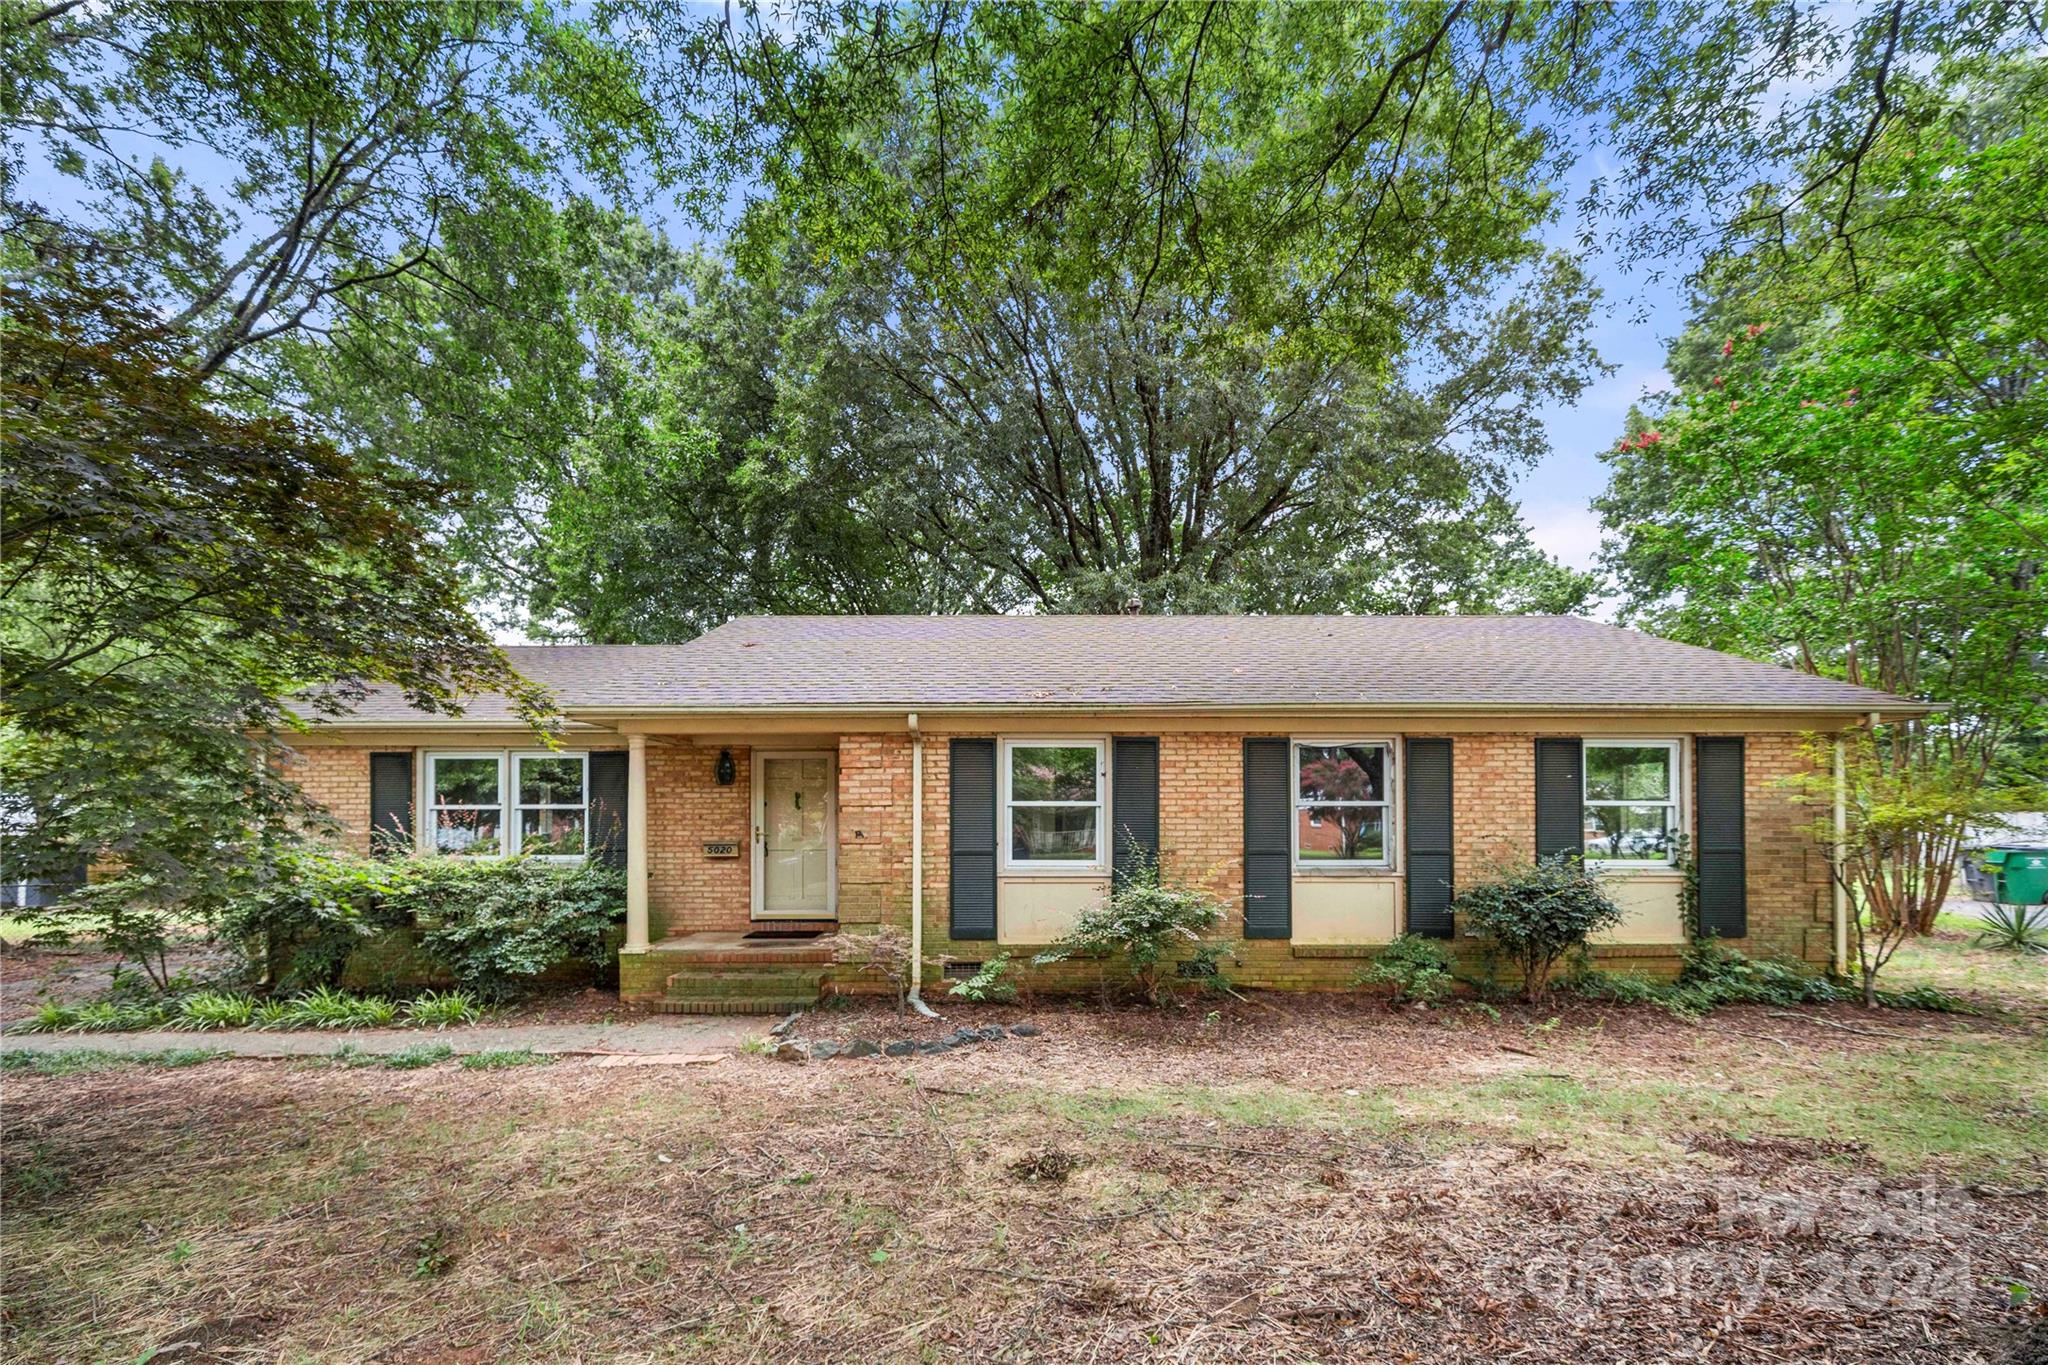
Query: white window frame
x=1056, y=867
x=514, y=807
x=507, y=806
x=1296, y=805
x=1676, y=803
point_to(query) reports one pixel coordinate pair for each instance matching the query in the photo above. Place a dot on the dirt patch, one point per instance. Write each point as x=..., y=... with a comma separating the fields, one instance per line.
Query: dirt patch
x=1313, y=1179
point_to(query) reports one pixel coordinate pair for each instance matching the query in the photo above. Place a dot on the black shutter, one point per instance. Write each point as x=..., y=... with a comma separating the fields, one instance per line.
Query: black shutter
x=391, y=823
x=1134, y=802
x=973, y=767
x=1268, y=858
x=608, y=806
x=1560, y=797
x=1428, y=837
x=1723, y=864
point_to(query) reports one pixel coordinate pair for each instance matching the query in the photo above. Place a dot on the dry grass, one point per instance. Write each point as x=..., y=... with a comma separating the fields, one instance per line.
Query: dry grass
x=1299, y=1179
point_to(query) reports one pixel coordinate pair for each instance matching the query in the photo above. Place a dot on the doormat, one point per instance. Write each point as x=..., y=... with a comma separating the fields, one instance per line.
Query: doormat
x=787, y=935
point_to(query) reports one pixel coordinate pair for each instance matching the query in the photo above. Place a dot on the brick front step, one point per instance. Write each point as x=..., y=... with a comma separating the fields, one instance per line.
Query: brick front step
x=731, y=1006
x=747, y=988
x=746, y=957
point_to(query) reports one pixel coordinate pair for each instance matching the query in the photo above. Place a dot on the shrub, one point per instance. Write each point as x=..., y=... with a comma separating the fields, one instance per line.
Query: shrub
x=319, y=905
x=330, y=1008
x=987, y=983
x=442, y=1009
x=497, y=925
x=2015, y=928
x=215, y=1009
x=1144, y=917
x=1538, y=913
x=50, y=1017
x=1417, y=969
x=119, y=1016
x=274, y=1014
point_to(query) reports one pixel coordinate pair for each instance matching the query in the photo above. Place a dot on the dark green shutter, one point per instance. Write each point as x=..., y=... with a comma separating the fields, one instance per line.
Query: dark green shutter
x=973, y=769
x=608, y=807
x=1723, y=862
x=1560, y=797
x=391, y=788
x=1134, y=802
x=1428, y=836
x=1268, y=856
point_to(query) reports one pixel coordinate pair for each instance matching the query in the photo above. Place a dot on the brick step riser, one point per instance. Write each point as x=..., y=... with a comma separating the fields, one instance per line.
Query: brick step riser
x=730, y=1006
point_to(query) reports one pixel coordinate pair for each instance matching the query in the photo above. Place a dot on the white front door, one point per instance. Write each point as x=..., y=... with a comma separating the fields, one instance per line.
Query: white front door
x=794, y=835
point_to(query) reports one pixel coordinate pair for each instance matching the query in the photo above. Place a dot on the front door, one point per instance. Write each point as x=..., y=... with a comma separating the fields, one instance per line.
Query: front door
x=794, y=834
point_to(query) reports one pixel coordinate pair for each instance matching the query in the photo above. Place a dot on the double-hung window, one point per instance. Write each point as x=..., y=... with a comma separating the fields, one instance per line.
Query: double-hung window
x=1632, y=817
x=490, y=803
x=1343, y=804
x=1053, y=797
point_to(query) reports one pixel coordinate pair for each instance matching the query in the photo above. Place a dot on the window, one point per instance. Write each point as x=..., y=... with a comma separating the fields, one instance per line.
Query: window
x=1052, y=803
x=469, y=800
x=553, y=791
x=1343, y=809
x=1631, y=801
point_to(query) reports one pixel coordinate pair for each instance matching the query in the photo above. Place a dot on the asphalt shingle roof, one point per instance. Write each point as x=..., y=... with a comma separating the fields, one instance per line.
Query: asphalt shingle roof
x=1160, y=661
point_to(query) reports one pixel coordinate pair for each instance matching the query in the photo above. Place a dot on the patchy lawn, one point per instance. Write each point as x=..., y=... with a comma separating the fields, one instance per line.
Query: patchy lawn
x=1285, y=1178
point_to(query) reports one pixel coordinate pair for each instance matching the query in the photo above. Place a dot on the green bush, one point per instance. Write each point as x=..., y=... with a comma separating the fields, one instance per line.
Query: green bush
x=1536, y=914
x=1416, y=969
x=318, y=906
x=497, y=925
x=210, y=1009
x=1146, y=917
x=987, y=983
x=442, y=1009
x=2015, y=928
x=492, y=924
x=331, y=1008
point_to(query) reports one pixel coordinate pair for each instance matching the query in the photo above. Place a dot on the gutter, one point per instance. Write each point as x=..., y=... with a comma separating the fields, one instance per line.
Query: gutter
x=916, y=968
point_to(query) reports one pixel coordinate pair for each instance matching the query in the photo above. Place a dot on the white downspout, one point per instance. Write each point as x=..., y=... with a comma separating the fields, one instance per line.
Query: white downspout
x=917, y=868
x=1841, y=963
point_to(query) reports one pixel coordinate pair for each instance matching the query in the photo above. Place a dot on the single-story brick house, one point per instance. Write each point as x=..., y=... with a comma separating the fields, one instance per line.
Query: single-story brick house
x=976, y=781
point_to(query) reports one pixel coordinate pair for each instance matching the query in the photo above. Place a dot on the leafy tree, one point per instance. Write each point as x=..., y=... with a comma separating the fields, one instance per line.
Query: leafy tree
x=1852, y=478
x=175, y=576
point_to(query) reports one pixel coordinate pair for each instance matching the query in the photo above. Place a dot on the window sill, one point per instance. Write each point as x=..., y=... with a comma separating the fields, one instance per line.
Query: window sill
x=1068, y=874
x=1342, y=874
x=1635, y=871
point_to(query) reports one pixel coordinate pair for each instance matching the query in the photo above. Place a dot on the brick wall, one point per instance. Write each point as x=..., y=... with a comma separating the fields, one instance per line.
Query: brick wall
x=874, y=829
x=1201, y=838
x=339, y=779
x=1791, y=904
x=688, y=892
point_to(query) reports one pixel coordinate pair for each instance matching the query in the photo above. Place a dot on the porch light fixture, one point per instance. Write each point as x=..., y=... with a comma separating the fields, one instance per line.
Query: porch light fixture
x=726, y=772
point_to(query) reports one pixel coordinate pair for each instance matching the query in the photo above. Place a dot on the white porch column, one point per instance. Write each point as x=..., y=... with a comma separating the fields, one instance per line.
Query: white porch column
x=636, y=843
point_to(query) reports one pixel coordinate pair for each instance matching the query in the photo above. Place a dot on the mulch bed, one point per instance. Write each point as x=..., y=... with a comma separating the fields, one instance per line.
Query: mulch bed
x=948, y=1207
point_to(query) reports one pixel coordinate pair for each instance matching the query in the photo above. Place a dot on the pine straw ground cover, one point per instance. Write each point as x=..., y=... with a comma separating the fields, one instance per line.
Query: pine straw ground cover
x=1286, y=1179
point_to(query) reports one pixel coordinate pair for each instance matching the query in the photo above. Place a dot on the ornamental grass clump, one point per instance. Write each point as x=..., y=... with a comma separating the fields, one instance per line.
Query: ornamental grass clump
x=1537, y=914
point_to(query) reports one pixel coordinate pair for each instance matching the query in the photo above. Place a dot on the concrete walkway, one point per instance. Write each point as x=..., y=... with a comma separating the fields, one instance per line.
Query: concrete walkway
x=661, y=1036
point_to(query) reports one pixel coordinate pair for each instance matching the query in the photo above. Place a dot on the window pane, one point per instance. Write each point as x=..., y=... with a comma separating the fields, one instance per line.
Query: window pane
x=1628, y=774
x=466, y=781
x=551, y=781
x=1052, y=834
x=1629, y=833
x=1349, y=772
x=551, y=832
x=1046, y=772
x=1342, y=833
x=467, y=831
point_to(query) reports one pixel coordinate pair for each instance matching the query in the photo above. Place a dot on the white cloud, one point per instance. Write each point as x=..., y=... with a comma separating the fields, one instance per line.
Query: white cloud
x=1569, y=531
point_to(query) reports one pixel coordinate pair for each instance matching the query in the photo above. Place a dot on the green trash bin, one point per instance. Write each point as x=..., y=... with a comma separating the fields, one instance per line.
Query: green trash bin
x=2019, y=876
